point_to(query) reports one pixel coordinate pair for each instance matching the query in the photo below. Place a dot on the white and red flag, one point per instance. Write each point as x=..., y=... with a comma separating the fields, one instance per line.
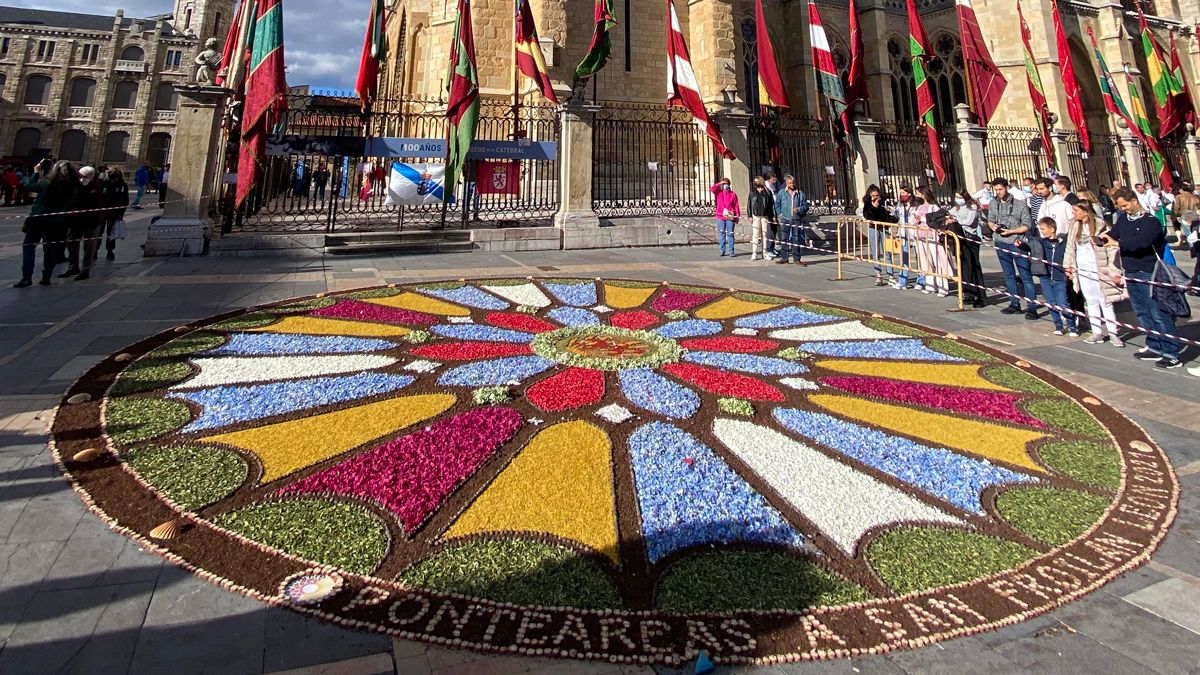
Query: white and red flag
x=682, y=88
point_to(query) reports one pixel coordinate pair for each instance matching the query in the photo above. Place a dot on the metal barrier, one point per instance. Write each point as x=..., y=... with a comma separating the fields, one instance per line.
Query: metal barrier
x=893, y=247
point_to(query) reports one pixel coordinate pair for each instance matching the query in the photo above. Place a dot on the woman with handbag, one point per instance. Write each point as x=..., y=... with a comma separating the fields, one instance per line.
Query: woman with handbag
x=728, y=212
x=1092, y=261
x=934, y=261
x=116, y=199
x=878, y=216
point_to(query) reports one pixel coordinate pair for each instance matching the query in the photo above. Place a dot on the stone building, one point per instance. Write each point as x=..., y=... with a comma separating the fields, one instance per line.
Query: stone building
x=98, y=89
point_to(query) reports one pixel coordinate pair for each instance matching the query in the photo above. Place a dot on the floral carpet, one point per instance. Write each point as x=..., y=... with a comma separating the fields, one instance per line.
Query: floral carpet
x=614, y=470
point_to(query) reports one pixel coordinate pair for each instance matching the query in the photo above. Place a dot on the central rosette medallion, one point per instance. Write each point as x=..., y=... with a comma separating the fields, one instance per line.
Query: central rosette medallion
x=607, y=348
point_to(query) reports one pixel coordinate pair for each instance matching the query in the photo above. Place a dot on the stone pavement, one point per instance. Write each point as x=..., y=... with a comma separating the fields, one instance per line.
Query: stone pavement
x=75, y=597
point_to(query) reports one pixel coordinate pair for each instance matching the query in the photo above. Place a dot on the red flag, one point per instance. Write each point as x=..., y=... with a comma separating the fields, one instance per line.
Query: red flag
x=266, y=92
x=1070, y=83
x=983, y=75
x=530, y=61
x=1037, y=94
x=682, y=88
x=233, y=55
x=374, y=50
x=771, y=93
x=856, y=81
x=1185, y=105
x=498, y=178
x=918, y=46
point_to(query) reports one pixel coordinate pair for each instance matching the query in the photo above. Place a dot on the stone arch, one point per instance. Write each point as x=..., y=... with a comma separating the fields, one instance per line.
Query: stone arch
x=158, y=148
x=116, y=147
x=133, y=53
x=1095, y=115
x=165, y=98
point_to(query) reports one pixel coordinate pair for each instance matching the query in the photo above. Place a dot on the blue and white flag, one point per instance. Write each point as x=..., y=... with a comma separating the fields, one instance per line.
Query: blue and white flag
x=416, y=184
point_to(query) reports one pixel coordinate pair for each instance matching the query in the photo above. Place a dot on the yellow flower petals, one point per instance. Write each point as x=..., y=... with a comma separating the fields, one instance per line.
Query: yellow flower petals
x=311, y=325
x=421, y=303
x=619, y=297
x=728, y=308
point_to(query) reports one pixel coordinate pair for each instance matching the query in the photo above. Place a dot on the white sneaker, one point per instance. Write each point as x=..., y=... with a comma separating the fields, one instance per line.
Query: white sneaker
x=898, y=287
x=755, y=256
x=942, y=294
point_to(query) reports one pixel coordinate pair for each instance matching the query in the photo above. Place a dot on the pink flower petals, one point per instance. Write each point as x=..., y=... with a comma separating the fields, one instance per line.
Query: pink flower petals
x=991, y=404
x=670, y=300
x=740, y=345
x=366, y=311
x=469, y=351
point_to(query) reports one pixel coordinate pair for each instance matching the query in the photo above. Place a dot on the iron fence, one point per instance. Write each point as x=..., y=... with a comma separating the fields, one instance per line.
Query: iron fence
x=290, y=197
x=1014, y=153
x=1100, y=167
x=805, y=148
x=904, y=158
x=651, y=160
x=1175, y=149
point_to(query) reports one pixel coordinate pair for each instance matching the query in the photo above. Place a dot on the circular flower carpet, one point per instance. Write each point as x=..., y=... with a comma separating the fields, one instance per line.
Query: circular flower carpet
x=615, y=470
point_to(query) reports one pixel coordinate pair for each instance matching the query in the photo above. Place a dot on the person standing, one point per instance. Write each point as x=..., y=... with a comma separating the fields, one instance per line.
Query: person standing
x=1008, y=219
x=791, y=206
x=1166, y=206
x=116, y=196
x=728, y=212
x=85, y=225
x=931, y=254
x=1034, y=200
x=55, y=189
x=1187, y=215
x=1147, y=198
x=10, y=181
x=761, y=204
x=905, y=213
x=964, y=222
x=774, y=186
x=1091, y=265
x=878, y=217
x=141, y=180
x=163, y=178
x=321, y=179
x=983, y=198
x=1142, y=241
x=1054, y=205
x=1048, y=265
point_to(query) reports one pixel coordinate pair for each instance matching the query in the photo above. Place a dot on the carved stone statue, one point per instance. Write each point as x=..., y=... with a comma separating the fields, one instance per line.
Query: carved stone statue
x=209, y=61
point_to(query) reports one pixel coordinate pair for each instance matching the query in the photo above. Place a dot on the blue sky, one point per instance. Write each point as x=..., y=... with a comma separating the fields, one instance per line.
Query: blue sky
x=322, y=41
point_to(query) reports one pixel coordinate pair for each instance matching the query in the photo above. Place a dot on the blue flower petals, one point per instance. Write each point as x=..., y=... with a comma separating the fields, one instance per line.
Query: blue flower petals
x=574, y=317
x=746, y=363
x=650, y=391
x=576, y=295
x=483, y=333
x=784, y=317
x=266, y=344
x=907, y=349
x=469, y=296
x=689, y=328
x=509, y=370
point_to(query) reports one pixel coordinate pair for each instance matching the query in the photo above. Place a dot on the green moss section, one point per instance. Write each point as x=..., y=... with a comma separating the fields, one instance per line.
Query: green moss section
x=632, y=284
x=188, y=344
x=245, y=321
x=960, y=350
x=1066, y=414
x=699, y=290
x=723, y=581
x=417, y=337
x=503, y=282
x=677, y=315
x=1092, y=463
x=517, y=571
x=758, y=297
x=191, y=476
x=371, y=293
x=793, y=354
x=331, y=533
x=916, y=558
x=736, y=406
x=828, y=311
x=1051, y=515
x=527, y=309
x=1019, y=380
x=892, y=327
x=147, y=375
x=440, y=286
x=130, y=420
x=304, y=306
x=492, y=395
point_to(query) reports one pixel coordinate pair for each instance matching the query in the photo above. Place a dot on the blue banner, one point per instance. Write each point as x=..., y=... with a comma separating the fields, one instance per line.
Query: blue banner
x=435, y=148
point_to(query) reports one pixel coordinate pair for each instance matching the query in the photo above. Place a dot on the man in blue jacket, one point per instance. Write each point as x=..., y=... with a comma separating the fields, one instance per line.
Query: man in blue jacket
x=141, y=178
x=791, y=206
x=1142, y=241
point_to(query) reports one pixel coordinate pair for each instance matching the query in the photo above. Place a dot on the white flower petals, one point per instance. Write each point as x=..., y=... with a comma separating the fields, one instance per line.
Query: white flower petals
x=234, y=370
x=615, y=413
x=523, y=294
x=852, y=330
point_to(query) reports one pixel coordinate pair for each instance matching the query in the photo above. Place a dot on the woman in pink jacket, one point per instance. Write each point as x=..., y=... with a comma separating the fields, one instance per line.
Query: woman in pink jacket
x=728, y=212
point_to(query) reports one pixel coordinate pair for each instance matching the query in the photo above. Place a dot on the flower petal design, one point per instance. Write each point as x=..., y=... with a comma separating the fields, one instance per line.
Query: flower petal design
x=733, y=306
x=315, y=325
x=254, y=344
x=354, y=309
x=946, y=475
x=799, y=384
x=724, y=384
x=688, y=497
x=520, y=294
x=222, y=406
x=949, y=374
x=910, y=349
x=741, y=345
x=482, y=333
x=499, y=371
x=994, y=405
x=784, y=317
x=412, y=475
x=689, y=328
x=851, y=330
x=467, y=351
x=625, y=295
x=574, y=294
x=633, y=320
x=420, y=303
x=235, y=370
x=672, y=299
x=650, y=391
x=522, y=322
x=469, y=296
x=746, y=363
x=574, y=317
x=571, y=388
x=842, y=502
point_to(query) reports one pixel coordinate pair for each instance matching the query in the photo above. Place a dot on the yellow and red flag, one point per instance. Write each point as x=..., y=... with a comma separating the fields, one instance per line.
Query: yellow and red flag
x=771, y=93
x=530, y=61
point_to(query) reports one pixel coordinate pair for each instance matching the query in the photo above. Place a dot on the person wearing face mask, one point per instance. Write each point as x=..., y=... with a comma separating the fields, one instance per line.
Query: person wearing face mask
x=964, y=221
x=1034, y=199
x=1008, y=219
x=728, y=212
x=762, y=209
x=905, y=213
x=876, y=213
x=86, y=225
x=931, y=253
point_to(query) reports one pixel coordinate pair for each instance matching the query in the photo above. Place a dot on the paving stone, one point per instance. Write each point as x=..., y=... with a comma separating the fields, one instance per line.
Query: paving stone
x=1174, y=600
x=1134, y=581
x=50, y=516
x=1066, y=653
x=950, y=656
x=375, y=664
x=1153, y=642
x=294, y=640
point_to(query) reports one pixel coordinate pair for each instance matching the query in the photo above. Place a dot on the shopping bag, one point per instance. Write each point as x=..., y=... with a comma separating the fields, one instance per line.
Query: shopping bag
x=118, y=230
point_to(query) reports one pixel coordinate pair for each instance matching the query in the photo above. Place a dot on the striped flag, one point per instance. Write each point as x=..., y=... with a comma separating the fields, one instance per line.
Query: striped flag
x=1070, y=82
x=374, y=50
x=682, y=88
x=530, y=61
x=771, y=93
x=462, y=84
x=829, y=82
x=233, y=55
x=266, y=91
x=601, y=46
x=1184, y=102
x=1037, y=94
x=1143, y=124
x=919, y=50
x=986, y=82
x=856, y=81
x=1162, y=80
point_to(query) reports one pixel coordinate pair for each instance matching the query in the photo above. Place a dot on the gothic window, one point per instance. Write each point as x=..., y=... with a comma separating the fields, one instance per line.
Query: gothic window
x=903, y=97
x=83, y=92
x=750, y=63
x=165, y=98
x=37, y=90
x=125, y=95
x=944, y=72
x=74, y=142
x=116, y=147
x=26, y=141
x=133, y=53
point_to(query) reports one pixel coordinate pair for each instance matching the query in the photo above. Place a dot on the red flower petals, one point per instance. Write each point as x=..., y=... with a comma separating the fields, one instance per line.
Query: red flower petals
x=991, y=404
x=523, y=322
x=572, y=388
x=635, y=320
x=670, y=300
x=724, y=384
x=740, y=345
x=353, y=309
x=467, y=351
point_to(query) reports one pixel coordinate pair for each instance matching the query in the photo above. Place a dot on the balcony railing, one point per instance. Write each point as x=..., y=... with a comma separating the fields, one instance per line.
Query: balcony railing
x=130, y=66
x=122, y=113
x=80, y=111
x=35, y=109
x=164, y=116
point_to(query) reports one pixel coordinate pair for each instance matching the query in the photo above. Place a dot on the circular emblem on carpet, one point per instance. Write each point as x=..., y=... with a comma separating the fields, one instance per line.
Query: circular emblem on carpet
x=615, y=470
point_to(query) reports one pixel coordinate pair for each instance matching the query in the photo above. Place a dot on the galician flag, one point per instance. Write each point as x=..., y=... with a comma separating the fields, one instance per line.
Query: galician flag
x=828, y=81
x=986, y=82
x=771, y=93
x=1070, y=83
x=1162, y=80
x=1184, y=102
x=374, y=50
x=530, y=61
x=1143, y=124
x=682, y=88
x=1037, y=94
x=601, y=45
x=919, y=50
x=266, y=92
x=462, y=84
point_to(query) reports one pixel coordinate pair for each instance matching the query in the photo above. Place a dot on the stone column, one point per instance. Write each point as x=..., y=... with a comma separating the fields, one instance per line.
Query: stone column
x=1058, y=137
x=185, y=227
x=1133, y=158
x=1192, y=150
x=735, y=130
x=575, y=167
x=866, y=163
x=877, y=65
x=970, y=142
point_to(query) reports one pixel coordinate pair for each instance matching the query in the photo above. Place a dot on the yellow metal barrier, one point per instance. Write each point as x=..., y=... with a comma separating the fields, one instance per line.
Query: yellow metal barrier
x=902, y=248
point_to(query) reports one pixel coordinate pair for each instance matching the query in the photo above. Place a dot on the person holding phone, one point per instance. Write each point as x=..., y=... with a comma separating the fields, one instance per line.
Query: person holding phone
x=1008, y=219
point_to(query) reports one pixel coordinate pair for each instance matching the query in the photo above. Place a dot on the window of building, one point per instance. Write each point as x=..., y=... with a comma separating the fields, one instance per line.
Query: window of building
x=125, y=95
x=89, y=54
x=174, y=58
x=27, y=140
x=217, y=25
x=116, y=147
x=83, y=92
x=187, y=19
x=133, y=53
x=165, y=98
x=158, y=149
x=45, y=50
x=37, y=90
x=73, y=145
x=5, y=43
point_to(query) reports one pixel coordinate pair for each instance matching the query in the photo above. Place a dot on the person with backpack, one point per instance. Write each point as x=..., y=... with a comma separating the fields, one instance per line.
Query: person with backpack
x=761, y=204
x=791, y=206
x=728, y=212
